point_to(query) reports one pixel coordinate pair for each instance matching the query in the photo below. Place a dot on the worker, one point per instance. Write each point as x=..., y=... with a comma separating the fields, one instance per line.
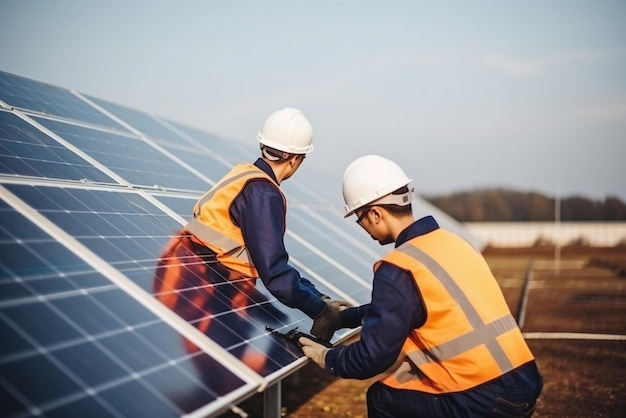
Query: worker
x=437, y=333
x=236, y=235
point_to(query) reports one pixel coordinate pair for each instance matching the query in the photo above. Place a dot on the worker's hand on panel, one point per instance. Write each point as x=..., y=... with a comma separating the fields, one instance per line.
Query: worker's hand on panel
x=314, y=351
x=329, y=320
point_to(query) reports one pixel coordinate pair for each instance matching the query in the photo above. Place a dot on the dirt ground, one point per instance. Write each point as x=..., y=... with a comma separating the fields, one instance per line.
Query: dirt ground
x=579, y=290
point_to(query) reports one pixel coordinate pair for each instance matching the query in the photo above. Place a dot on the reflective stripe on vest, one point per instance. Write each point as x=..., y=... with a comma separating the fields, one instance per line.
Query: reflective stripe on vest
x=208, y=234
x=469, y=336
x=482, y=333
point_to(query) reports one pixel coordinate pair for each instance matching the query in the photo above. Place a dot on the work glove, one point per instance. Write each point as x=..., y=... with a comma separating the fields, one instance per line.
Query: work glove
x=329, y=320
x=314, y=351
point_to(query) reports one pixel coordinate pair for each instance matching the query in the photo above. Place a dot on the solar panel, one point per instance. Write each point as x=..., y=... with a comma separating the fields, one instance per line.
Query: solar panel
x=28, y=152
x=327, y=257
x=182, y=205
x=208, y=155
x=231, y=151
x=22, y=93
x=73, y=341
x=132, y=158
x=92, y=298
x=136, y=121
x=129, y=232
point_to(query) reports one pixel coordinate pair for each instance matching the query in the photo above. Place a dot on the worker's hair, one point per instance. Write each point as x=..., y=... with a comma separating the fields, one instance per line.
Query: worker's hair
x=396, y=210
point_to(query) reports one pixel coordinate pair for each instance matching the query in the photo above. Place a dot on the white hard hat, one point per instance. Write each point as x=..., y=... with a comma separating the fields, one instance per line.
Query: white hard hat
x=372, y=179
x=287, y=130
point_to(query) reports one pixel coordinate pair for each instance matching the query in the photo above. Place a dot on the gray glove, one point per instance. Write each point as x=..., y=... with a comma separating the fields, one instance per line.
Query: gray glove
x=329, y=320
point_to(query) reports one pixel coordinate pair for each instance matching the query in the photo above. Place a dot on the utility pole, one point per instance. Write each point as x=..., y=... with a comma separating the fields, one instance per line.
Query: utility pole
x=557, y=223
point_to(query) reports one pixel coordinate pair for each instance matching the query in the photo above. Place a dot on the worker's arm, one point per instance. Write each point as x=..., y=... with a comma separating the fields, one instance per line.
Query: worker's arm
x=395, y=310
x=352, y=317
x=260, y=213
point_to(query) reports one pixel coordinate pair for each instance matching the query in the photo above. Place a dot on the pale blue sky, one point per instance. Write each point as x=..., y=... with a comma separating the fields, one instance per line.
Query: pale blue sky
x=462, y=94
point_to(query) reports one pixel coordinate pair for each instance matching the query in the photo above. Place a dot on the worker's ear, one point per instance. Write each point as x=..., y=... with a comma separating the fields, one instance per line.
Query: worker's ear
x=293, y=160
x=377, y=213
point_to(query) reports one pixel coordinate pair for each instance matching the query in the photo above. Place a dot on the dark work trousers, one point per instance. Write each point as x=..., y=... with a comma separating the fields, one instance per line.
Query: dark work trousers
x=512, y=395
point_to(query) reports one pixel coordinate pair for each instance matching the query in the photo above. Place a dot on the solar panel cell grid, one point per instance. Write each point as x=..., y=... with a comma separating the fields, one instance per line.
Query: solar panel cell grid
x=44, y=98
x=229, y=150
x=26, y=151
x=181, y=205
x=130, y=157
x=140, y=121
x=87, y=344
x=205, y=163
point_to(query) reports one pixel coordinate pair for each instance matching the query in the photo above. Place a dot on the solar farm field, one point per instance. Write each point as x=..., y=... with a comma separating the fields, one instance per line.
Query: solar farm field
x=574, y=319
x=575, y=322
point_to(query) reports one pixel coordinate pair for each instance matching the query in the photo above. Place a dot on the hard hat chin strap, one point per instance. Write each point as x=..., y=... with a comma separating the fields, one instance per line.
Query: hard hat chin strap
x=395, y=199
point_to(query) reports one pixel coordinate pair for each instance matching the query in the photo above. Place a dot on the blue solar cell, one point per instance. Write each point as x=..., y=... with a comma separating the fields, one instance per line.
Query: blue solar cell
x=134, y=348
x=38, y=379
x=26, y=151
x=10, y=290
x=128, y=156
x=44, y=98
x=345, y=263
x=181, y=205
x=29, y=316
x=90, y=364
x=230, y=150
x=12, y=342
x=206, y=163
x=10, y=405
x=204, y=152
x=140, y=121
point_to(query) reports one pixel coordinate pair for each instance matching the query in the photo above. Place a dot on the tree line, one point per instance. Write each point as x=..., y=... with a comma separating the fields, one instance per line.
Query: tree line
x=505, y=205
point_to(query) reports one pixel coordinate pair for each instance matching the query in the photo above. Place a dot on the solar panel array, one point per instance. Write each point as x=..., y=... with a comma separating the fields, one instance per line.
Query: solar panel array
x=91, y=195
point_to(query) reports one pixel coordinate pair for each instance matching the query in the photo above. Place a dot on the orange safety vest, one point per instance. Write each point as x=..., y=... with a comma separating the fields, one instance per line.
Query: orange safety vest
x=212, y=225
x=470, y=336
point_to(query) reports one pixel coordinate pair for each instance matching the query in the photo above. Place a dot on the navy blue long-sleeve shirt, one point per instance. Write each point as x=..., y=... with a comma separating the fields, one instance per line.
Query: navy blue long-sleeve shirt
x=259, y=210
x=396, y=308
